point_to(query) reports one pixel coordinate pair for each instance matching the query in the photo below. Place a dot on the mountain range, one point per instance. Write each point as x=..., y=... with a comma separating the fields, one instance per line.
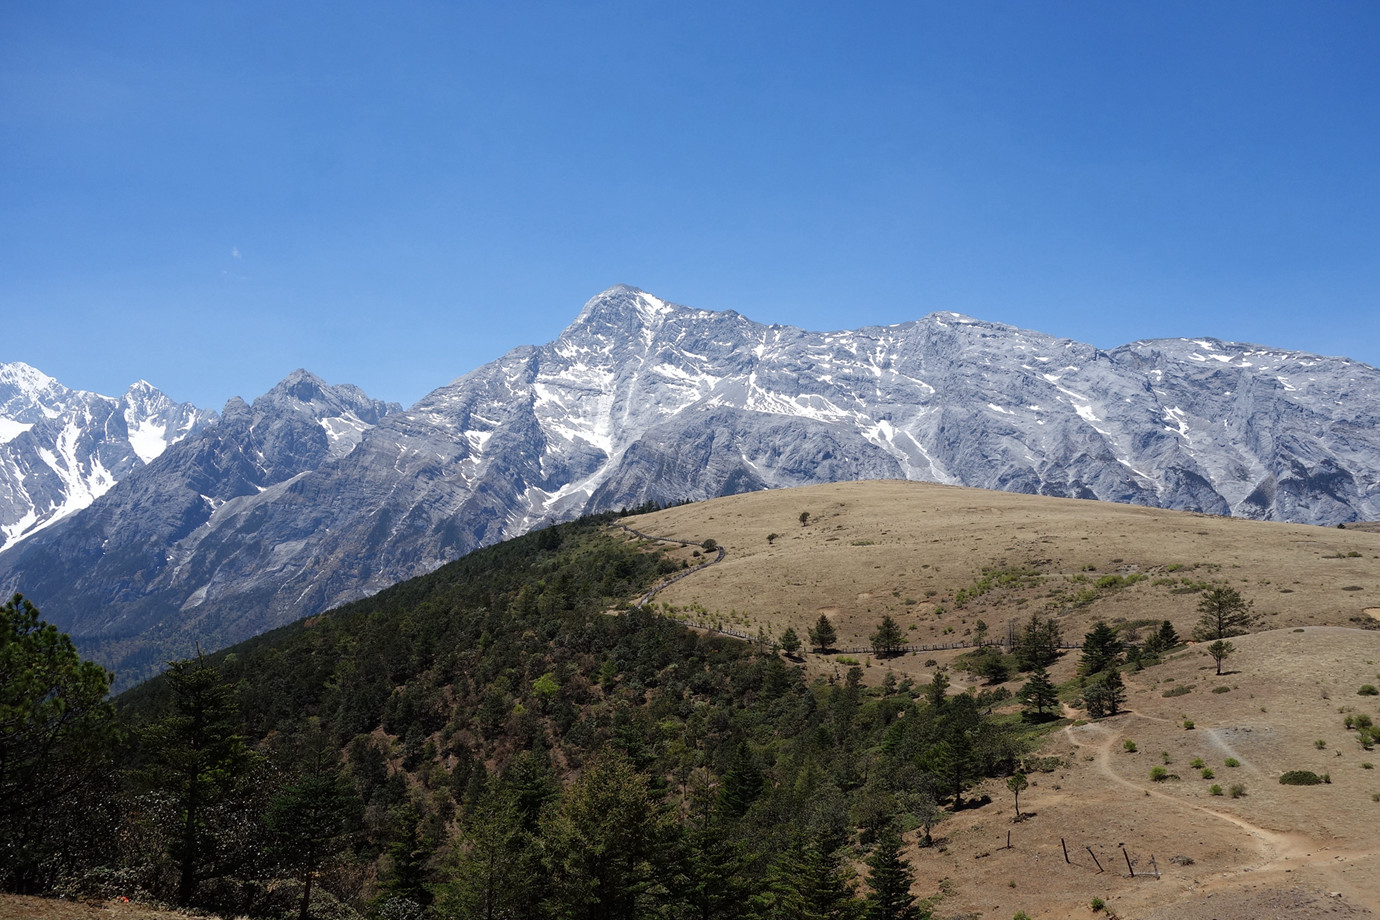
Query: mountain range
x=315, y=495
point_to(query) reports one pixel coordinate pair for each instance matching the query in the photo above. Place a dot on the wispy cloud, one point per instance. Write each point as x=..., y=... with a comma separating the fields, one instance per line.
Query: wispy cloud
x=235, y=252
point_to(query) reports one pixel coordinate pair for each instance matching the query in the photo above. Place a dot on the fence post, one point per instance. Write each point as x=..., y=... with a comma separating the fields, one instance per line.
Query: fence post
x=1094, y=856
x=1128, y=862
x=1066, y=851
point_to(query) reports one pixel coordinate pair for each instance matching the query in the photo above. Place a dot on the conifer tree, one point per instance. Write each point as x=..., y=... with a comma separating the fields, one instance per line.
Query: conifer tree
x=1038, y=643
x=888, y=639
x=790, y=642
x=602, y=843
x=1168, y=638
x=889, y=877
x=1039, y=696
x=824, y=635
x=1104, y=694
x=1219, y=651
x=199, y=758
x=57, y=736
x=1224, y=614
x=494, y=863
x=312, y=818
x=1102, y=649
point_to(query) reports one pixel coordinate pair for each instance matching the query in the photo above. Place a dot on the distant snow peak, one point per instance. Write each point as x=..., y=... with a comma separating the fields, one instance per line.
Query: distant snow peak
x=61, y=449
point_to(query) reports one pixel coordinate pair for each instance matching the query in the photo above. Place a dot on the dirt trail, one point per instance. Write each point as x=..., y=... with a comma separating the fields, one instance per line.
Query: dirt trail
x=1278, y=851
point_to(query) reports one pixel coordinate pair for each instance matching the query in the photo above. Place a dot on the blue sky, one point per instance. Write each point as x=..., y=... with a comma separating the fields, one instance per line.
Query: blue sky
x=211, y=195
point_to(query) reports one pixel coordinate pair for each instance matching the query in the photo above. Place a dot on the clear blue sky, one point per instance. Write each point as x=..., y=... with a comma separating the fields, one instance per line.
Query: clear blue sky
x=209, y=195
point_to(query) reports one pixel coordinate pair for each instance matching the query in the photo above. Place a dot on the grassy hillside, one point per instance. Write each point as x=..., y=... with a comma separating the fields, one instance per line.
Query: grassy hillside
x=933, y=557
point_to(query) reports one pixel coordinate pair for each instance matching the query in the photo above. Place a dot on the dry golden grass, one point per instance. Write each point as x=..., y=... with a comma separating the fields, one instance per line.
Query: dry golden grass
x=907, y=548
x=904, y=549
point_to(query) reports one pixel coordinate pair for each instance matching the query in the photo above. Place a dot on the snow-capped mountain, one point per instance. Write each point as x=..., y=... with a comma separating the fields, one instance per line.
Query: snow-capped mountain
x=642, y=399
x=61, y=449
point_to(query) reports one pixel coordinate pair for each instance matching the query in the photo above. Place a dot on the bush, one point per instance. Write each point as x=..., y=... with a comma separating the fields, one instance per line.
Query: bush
x=1177, y=691
x=1197, y=763
x=1128, y=746
x=1097, y=904
x=1159, y=774
x=1215, y=790
x=1207, y=773
x=1300, y=778
x=1237, y=790
x=1368, y=690
x=1233, y=762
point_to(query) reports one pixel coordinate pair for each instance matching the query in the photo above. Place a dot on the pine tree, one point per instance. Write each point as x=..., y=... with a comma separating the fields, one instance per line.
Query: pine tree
x=495, y=863
x=311, y=820
x=1039, y=696
x=602, y=843
x=57, y=736
x=889, y=878
x=1219, y=651
x=1038, y=643
x=1224, y=614
x=198, y=757
x=790, y=642
x=1017, y=783
x=1168, y=638
x=1104, y=694
x=1102, y=649
x=888, y=639
x=823, y=636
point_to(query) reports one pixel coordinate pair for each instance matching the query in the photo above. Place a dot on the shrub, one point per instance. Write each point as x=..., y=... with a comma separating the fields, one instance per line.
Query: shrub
x=1233, y=762
x=1237, y=790
x=1178, y=691
x=1159, y=774
x=1097, y=904
x=1128, y=746
x=1188, y=725
x=1320, y=744
x=1207, y=773
x=1197, y=763
x=1368, y=690
x=1300, y=778
x=1221, y=689
x=1215, y=790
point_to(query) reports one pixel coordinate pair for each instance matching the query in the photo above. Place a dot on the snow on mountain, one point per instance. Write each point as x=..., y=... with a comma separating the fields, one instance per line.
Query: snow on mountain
x=61, y=449
x=640, y=399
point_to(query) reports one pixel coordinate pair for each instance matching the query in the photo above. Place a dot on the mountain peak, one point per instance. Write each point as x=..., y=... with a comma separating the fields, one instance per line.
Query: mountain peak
x=622, y=304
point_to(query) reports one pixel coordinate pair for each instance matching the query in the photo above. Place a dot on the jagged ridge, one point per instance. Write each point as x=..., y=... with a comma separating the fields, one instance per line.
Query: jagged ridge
x=642, y=399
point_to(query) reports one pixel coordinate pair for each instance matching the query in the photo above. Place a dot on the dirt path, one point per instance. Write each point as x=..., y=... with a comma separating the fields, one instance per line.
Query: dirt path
x=1277, y=851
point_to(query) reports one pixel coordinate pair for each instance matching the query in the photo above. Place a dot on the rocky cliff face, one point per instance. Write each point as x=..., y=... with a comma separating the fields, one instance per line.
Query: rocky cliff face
x=266, y=518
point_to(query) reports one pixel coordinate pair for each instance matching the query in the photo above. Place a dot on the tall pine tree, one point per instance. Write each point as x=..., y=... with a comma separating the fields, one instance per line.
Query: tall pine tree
x=889, y=877
x=198, y=758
